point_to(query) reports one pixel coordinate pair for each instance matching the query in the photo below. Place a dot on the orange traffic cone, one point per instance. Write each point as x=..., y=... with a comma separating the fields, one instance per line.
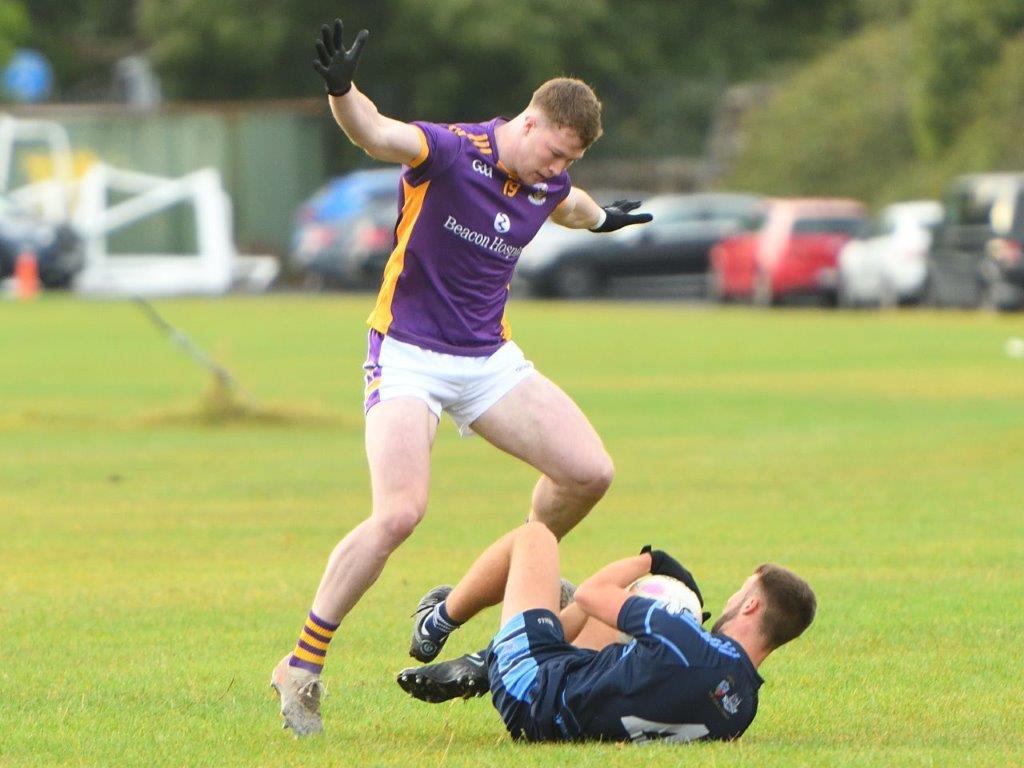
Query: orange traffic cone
x=26, y=276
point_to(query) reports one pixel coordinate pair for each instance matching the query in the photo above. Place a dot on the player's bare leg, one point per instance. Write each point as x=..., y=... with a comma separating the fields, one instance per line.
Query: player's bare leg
x=484, y=582
x=399, y=435
x=540, y=424
x=520, y=569
x=533, y=580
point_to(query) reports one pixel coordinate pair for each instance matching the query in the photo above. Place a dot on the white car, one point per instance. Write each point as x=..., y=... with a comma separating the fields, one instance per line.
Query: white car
x=888, y=262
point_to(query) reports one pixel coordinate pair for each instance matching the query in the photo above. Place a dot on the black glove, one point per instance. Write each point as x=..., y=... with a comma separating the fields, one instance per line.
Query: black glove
x=336, y=65
x=617, y=215
x=663, y=564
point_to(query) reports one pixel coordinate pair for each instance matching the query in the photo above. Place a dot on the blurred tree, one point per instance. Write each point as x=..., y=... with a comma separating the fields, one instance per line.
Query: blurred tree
x=14, y=27
x=957, y=42
x=83, y=39
x=840, y=126
x=659, y=65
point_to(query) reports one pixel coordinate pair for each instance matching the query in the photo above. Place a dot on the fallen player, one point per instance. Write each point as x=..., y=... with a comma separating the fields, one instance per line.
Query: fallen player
x=673, y=680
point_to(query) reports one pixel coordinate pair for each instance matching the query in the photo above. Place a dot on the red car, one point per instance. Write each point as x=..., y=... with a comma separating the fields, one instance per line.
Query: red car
x=791, y=247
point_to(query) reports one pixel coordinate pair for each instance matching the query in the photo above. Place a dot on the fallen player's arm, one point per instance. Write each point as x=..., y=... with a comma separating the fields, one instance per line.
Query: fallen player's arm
x=603, y=594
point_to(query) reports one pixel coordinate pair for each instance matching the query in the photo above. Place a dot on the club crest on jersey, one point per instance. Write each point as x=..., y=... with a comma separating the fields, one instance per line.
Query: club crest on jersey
x=539, y=194
x=728, y=703
x=502, y=223
x=483, y=168
x=510, y=188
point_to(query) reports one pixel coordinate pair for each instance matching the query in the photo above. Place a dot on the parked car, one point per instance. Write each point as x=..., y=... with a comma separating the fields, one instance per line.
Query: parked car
x=887, y=262
x=789, y=247
x=571, y=263
x=976, y=257
x=57, y=247
x=345, y=232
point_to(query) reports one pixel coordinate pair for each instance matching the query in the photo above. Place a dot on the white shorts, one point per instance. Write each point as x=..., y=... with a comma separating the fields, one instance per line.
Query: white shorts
x=464, y=387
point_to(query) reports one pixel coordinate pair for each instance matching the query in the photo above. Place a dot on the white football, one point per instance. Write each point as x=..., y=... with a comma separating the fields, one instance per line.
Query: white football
x=672, y=591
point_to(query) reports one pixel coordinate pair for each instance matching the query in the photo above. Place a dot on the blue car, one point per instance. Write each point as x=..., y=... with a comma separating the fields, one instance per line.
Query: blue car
x=346, y=231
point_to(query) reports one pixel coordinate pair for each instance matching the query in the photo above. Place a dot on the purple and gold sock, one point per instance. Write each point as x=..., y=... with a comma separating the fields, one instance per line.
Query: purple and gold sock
x=311, y=650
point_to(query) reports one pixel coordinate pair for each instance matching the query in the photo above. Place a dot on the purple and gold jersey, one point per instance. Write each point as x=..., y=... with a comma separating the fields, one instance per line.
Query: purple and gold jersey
x=463, y=221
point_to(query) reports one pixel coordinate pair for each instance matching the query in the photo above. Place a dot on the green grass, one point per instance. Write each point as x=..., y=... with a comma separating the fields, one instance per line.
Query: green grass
x=153, y=568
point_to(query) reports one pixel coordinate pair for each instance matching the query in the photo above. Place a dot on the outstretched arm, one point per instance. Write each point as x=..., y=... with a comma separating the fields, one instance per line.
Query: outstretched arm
x=382, y=138
x=580, y=211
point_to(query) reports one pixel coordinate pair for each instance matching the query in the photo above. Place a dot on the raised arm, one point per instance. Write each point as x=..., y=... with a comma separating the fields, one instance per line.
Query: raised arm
x=580, y=211
x=382, y=138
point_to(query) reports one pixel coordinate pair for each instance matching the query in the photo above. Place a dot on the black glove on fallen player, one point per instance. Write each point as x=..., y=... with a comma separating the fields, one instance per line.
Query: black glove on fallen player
x=617, y=216
x=336, y=65
x=663, y=564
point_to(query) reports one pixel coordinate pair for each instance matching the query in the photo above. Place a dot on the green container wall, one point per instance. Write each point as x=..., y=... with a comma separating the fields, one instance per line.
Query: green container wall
x=271, y=157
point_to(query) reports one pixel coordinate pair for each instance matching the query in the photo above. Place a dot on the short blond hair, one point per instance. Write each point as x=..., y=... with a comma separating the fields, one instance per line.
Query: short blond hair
x=570, y=103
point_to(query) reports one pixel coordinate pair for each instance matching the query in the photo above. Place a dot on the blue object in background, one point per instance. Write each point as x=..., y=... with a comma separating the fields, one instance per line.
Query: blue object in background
x=28, y=76
x=347, y=194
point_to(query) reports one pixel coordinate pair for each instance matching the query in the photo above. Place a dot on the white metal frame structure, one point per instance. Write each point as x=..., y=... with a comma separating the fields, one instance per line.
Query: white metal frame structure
x=215, y=268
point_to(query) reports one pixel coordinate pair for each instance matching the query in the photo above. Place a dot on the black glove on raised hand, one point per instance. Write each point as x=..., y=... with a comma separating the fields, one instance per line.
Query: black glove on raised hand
x=336, y=65
x=617, y=216
x=663, y=564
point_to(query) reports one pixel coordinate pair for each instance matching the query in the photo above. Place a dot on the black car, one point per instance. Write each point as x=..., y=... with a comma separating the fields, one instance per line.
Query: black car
x=976, y=256
x=58, y=249
x=677, y=242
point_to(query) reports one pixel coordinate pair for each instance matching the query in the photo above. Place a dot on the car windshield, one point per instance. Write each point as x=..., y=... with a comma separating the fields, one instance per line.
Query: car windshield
x=668, y=209
x=753, y=222
x=975, y=205
x=827, y=225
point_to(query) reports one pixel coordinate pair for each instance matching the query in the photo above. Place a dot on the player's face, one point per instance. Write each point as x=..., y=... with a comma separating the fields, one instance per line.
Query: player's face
x=547, y=151
x=733, y=604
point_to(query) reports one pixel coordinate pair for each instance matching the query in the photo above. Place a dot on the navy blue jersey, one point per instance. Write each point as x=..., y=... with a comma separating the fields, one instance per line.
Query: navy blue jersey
x=674, y=681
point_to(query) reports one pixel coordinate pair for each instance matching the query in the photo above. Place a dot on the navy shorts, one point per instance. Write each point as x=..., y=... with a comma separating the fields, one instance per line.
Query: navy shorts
x=516, y=660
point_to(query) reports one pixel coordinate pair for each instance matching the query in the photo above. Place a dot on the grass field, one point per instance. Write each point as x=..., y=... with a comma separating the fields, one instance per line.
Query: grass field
x=154, y=567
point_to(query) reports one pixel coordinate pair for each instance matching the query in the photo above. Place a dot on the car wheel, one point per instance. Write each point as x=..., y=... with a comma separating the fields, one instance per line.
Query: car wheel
x=715, y=289
x=576, y=281
x=763, y=295
x=844, y=298
x=930, y=296
x=1000, y=296
x=314, y=281
x=888, y=297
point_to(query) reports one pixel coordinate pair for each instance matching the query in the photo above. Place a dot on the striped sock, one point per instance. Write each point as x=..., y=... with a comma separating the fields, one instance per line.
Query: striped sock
x=311, y=650
x=438, y=624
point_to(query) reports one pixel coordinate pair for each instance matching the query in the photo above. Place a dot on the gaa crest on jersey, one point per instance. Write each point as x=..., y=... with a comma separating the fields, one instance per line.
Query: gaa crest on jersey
x=539, y=194
x=502, y=223
x=479, y=166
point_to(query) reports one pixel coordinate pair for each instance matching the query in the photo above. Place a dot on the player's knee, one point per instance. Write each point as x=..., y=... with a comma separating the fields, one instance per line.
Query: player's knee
x=597, y=477
x=397, y=523
x=535, y=534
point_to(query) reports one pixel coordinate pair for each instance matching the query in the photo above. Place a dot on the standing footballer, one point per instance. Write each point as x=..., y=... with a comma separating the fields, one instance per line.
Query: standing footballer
x=472, y=197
